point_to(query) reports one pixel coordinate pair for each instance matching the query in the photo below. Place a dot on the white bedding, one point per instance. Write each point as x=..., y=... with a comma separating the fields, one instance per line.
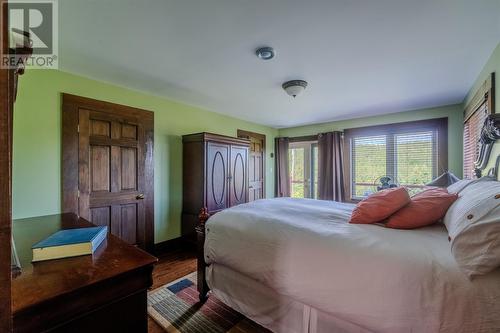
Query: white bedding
x=379, y=279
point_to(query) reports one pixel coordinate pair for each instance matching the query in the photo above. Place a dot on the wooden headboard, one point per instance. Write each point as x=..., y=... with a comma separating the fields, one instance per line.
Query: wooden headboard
x=488, y=159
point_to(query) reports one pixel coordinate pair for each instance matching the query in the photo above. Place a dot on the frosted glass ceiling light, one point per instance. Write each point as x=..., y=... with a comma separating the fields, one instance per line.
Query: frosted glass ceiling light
x=294, y=87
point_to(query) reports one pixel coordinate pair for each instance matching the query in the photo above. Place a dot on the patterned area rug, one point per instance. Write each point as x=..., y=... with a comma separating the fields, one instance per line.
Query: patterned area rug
x=175, y=308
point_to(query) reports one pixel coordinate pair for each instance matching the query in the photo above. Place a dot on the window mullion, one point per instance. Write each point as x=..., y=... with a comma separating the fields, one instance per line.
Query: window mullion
x=307, y=171
x=312, y=188
x=352, y=175
x=435, y=155
x=391, y=157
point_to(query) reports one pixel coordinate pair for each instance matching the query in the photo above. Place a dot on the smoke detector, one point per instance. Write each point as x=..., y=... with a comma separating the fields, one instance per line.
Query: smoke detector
x=265, y=53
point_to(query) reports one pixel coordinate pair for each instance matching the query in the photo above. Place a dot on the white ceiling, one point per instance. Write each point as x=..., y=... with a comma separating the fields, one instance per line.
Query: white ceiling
x=360, y=57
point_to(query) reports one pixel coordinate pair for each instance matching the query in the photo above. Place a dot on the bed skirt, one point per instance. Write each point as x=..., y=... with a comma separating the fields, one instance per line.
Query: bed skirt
x=270, y=309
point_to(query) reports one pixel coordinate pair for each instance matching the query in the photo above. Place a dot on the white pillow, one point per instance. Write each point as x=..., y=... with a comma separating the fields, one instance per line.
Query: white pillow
x=473, y=223
x=459, y=186
x=463, y=183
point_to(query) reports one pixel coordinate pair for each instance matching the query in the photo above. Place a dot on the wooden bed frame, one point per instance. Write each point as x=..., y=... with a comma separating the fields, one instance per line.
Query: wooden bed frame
x=490, y=133
x=200, y=232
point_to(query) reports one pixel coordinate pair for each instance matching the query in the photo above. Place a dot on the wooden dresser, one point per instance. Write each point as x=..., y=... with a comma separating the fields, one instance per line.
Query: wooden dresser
x=105, y=292
x=215, y=176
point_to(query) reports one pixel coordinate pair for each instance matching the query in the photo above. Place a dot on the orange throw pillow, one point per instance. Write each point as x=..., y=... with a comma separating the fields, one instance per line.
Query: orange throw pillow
x=379, y=206
x=424, y=209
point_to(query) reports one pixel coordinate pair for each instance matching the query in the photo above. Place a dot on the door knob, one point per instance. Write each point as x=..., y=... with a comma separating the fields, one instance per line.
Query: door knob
x=140, y=197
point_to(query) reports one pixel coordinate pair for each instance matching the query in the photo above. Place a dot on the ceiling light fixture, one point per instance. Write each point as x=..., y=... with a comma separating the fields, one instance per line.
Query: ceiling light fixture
x=265, y=53
x=294, y=87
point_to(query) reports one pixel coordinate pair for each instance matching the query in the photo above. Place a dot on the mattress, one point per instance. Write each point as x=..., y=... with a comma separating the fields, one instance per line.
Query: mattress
x=377, y=279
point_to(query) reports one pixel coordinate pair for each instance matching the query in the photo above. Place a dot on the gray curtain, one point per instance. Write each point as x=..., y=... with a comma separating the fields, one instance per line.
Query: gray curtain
x=282, y=183
x=331, y=166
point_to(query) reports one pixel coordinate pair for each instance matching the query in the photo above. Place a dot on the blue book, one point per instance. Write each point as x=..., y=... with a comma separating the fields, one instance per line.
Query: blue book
x=69, y=243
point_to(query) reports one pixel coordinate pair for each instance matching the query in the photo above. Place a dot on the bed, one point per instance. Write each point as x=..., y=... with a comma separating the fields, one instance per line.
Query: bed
x=297, y=265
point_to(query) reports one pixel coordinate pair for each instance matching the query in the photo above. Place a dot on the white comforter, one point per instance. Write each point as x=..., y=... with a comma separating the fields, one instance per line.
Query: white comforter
x=380, y=279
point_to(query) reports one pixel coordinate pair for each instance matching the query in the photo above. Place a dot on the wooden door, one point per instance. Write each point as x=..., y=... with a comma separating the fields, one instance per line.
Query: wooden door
x=256, y=162
x=114, y=186
x=111, y=165
x=238, y=191
x=217, y=176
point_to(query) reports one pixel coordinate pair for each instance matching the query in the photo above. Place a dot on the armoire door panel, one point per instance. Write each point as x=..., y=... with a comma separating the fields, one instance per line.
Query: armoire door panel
x=238, y=176
x=217, y=174
x=218, y=192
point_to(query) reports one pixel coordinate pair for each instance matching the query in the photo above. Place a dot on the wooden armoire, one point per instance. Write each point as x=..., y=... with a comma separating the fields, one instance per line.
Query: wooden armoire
x=215, y=176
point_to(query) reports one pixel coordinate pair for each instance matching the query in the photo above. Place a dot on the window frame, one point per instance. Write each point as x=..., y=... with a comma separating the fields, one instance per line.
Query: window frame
x=471, y=142
x=483, y=99
x=439, y=125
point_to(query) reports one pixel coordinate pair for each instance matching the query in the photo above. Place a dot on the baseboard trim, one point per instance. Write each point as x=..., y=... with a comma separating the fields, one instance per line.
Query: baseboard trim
x=170, y=245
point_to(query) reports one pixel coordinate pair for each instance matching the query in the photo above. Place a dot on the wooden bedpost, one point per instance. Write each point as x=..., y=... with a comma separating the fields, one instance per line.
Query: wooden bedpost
x=200, y=231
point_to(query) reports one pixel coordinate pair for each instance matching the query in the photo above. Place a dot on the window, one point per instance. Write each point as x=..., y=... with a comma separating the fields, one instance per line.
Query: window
x=303, y=162
x=472, y=132
x=411, y=154
x=368, y=163
x=475, y=114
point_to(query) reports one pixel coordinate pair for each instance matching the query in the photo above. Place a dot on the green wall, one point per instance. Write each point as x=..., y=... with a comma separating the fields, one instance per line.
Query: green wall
x=492, y=65
x=37, y=143
x=455, y=128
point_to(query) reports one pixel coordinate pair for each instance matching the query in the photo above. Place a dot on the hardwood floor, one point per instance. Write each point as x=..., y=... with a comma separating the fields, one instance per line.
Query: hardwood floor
x=170, y=267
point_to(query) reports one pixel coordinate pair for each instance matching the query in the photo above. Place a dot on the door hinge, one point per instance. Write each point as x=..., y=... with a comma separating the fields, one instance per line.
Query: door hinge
x=78, y=128
x=78, y=193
